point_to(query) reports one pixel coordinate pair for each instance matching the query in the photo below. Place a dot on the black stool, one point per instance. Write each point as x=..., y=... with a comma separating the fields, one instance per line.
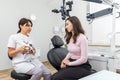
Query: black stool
x=19, y=76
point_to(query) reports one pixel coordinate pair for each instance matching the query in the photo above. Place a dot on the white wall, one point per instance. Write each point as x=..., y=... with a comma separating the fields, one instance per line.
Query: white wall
x=10, y=13
x=103, y=26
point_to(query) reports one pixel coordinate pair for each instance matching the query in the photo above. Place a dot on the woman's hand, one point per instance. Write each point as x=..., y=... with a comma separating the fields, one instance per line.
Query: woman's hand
x=24, y=49
x=33, y=51
x=66, y=61
x=13, y=52
x=63, y=65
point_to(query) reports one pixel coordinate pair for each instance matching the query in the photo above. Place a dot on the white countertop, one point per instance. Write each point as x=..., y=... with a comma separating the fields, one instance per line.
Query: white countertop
x=103, y=75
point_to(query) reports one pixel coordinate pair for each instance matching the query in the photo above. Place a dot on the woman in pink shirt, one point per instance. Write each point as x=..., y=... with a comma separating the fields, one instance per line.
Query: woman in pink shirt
x=75, y=65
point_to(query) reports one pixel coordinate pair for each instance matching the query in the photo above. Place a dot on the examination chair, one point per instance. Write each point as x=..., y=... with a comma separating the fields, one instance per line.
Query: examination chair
x=58, y=53
x=19, y=76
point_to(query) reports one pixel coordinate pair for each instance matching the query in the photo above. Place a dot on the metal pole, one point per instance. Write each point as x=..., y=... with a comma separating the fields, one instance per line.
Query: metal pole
x=113, y=32
x=113, y=39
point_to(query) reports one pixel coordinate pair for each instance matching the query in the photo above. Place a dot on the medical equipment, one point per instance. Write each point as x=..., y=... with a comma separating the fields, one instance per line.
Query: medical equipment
x=63, y=10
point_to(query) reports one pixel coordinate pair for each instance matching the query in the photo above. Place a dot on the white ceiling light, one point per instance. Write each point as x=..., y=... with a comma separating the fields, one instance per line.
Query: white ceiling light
x=33, y=17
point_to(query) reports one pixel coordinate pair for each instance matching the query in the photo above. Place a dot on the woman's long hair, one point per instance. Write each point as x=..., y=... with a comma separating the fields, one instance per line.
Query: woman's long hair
x=77, y=29
x=22, y=22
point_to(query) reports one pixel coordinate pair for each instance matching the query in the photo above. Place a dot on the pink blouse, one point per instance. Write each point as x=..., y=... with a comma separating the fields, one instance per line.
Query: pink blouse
x=78, y=50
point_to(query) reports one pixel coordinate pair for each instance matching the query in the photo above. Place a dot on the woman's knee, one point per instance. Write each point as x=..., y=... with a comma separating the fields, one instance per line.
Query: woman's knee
x=37, y=71
x=53, y=77
x=47, y=74
x=56, y=76
x=45, y=70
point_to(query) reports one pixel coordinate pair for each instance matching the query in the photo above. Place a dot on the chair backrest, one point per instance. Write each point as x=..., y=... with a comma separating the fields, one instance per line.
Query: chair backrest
x=58, y=53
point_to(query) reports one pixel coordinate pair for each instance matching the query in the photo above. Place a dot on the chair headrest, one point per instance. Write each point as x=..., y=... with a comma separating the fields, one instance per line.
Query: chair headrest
x=57, y=41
